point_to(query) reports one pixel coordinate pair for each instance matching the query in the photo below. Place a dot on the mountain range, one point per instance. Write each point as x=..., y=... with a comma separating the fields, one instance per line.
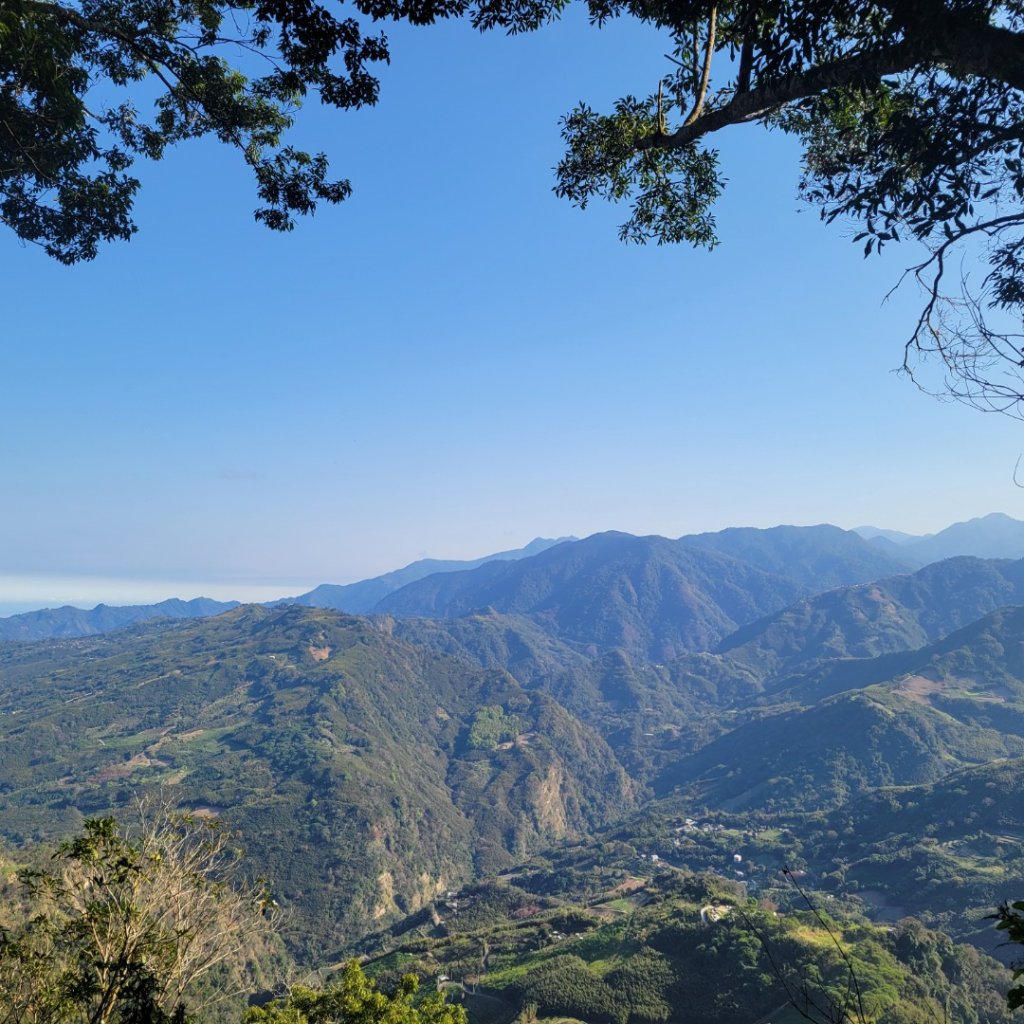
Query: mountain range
x=814, y=558
x=362, y=597
x=996, y=535
x=809, y=698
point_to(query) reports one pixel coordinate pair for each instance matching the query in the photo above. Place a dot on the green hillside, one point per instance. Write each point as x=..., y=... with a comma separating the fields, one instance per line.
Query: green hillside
x=365, y=774
x=817, y=757
x=617, y=940
x=522, y=811
x=890, y=615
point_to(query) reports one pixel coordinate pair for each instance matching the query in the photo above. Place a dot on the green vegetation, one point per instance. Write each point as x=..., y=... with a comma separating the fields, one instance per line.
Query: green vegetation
x=355, y=999
x=587, y=833
x=336, y=750
x=491, y=727
x=130, y=925
x=1011, y=921
x=687, y=940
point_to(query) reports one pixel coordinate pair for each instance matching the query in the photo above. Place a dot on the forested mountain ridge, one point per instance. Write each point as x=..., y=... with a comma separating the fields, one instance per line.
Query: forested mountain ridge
x=897, y=613
x=852, y=725
x=811, y=557
x=362, y=596
x=365, y=774
x=651, y=596
x=995, y=535
x=818, y=557
x=819, y=756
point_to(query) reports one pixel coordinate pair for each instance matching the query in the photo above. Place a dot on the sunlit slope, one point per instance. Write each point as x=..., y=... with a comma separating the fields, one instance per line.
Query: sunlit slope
x=898, y=613
x=854, y=725
x=365, y=774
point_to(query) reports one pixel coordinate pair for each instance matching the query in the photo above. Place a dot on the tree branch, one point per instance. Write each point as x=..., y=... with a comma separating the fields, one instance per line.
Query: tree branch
x=705, y=75
x=758, y=103
x=986, y=51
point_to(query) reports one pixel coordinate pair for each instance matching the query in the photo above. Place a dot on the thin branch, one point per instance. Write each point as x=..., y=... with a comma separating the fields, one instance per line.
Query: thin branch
x=854, y=980
x=705, y=75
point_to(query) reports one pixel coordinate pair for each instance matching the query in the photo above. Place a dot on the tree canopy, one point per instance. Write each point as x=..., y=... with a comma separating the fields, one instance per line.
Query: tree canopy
x=910, y=117
x=1010, y=919
x=355, y=999
x=909, y=113
x=127, y=923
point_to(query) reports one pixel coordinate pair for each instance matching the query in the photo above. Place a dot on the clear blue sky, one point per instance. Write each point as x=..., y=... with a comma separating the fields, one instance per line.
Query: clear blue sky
x=454, y=361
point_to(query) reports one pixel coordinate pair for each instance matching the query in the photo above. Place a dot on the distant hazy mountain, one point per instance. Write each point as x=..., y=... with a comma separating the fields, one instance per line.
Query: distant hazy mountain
x=360, y=597
x=654, y=597
x=991, y=536
x=658, y=599
x=996, y=535
x=70, y=622
x=651, y=596
x=893, y=536
x=818, y=557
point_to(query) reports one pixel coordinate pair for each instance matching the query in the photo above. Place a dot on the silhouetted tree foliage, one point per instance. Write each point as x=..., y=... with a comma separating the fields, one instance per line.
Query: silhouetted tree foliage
x=1010, y=919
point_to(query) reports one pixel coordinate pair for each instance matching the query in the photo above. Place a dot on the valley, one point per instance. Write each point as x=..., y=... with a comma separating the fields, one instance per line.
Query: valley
x=569, y=782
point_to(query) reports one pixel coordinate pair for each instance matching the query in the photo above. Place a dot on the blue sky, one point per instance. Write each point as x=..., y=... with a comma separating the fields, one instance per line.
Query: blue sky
x=454, y=361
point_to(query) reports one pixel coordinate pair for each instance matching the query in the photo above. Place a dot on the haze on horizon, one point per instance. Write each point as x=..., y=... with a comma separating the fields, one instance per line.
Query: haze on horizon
x=30, y=592
x=454, y=362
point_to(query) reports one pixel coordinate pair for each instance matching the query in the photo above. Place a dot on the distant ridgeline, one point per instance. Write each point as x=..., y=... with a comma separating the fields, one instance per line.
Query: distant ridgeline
x=566, y=780
x=813, y=558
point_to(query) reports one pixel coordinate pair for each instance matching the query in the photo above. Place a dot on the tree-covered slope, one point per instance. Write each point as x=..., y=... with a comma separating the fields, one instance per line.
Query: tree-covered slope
x=899, y=613
x=818, y=557
x=603, y=934
x=949, y=851
x=819, y=756
x=362, y=596
x=975, y=673
x=650, y=596
x=364, y=773
x=488, y=639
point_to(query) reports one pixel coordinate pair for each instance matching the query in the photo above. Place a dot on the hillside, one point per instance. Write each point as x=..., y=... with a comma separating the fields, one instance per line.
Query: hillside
x=895, y=614
x=363, y=596
x=604, y=934
x=487, y=639
x=568, y=734
x=854, y=725
x=818, y=757
x=817, y=557
x=365, y=774
x=949, y=851
x=650, y=596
